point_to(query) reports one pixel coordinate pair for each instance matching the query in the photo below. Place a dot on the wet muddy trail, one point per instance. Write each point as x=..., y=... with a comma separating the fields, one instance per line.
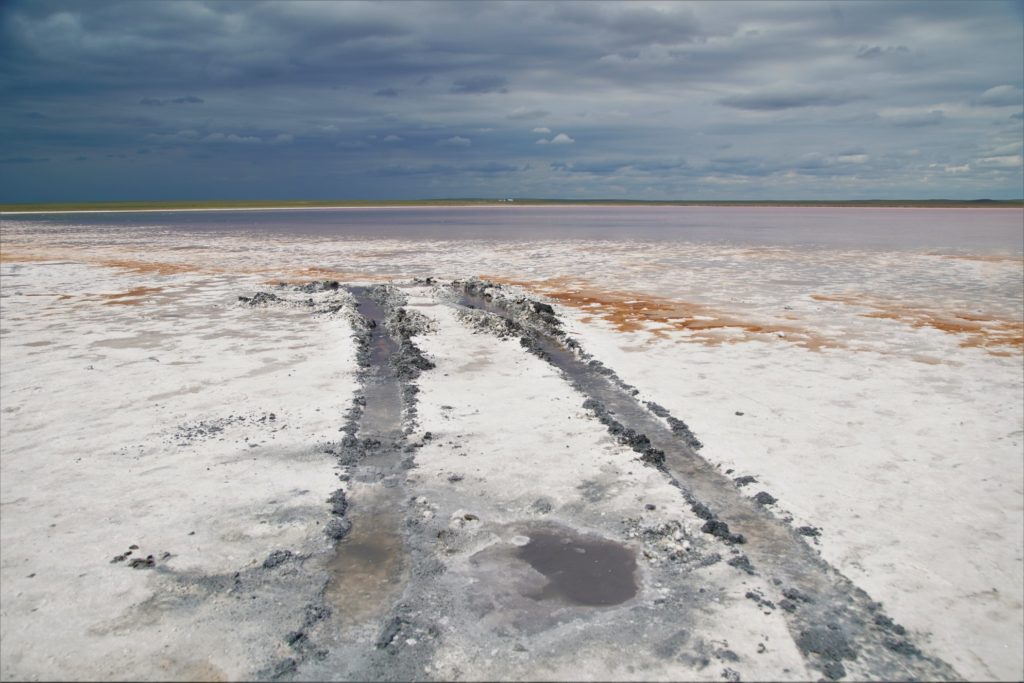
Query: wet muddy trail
x=439, y=573
x=836, y=625
x=368, y=570
x=371, y=565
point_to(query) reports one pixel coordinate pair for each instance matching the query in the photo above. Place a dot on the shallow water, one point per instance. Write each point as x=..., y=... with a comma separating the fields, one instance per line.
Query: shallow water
x=869, y=228
x=585, y=570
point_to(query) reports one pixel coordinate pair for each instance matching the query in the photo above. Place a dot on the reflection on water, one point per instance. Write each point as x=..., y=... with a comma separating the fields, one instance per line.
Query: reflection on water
x=585, y=570
x=866, y=228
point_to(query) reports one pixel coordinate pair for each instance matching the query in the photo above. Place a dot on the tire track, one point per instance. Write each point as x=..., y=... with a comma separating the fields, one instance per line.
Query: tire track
x=373, y=565
x=834, y=623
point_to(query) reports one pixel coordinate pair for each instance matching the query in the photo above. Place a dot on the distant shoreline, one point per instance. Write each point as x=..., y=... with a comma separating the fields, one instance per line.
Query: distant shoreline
x=285, y=205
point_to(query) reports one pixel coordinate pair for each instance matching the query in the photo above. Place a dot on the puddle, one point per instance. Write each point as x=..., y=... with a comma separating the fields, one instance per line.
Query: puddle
x=367, y=571
x=541, y=575
x=584, y=570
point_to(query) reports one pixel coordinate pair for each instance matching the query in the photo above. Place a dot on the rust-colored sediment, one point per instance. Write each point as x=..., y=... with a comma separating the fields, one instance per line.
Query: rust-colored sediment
x=982, y=331
x=133, y=297
x=148, y=267
x=985, y=258
x=633, y=312
x=9, y=256
x=15, y=255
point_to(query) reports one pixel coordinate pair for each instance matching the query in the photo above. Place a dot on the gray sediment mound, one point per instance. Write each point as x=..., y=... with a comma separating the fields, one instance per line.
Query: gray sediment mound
x=321, y=298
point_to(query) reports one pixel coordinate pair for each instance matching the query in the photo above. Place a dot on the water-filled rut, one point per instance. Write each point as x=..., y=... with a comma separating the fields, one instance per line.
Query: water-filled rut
x=369, y=569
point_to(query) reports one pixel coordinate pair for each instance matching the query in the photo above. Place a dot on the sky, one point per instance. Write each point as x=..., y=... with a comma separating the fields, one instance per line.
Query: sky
x=159, y=100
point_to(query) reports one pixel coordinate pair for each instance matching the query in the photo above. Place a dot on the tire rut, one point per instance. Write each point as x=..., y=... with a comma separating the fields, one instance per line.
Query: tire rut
x=374, y=564
x=834, y=623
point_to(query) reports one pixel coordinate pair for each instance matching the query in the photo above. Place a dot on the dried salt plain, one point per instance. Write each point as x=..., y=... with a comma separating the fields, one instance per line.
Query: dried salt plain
x=871, y=384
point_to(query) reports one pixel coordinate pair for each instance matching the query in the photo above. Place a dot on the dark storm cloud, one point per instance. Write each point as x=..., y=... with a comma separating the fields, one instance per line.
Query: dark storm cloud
x=475, y=85
x=931, y=118
x=153, y=101
x=416, y=99
x=876, y=51
x=632, y=23
x=774, y=99
x=527, y=114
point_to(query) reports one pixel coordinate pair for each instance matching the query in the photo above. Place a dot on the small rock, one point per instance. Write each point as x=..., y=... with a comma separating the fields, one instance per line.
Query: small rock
x=765, y=498
x=276, y=558
x=742, y=562
x=388, y=633
x=650, y=506
x=834, y=670
x=702, y=511
x=338, y=528
x=542, y=506
x=901, y=646
x=796, y=595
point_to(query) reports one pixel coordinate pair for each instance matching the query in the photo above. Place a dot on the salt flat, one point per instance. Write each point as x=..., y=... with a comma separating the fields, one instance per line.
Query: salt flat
x=877, y=395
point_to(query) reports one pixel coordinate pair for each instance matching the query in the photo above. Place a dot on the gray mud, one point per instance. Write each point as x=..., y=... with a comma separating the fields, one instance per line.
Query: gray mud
x=832, y=621
x=373, y=562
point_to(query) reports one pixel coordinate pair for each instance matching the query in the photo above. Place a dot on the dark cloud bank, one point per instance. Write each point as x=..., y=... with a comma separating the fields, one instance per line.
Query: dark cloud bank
x=175, y=100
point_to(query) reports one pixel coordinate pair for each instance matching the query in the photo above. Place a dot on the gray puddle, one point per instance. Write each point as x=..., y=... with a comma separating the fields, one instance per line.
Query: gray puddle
x=582, y=570
x=831, y=620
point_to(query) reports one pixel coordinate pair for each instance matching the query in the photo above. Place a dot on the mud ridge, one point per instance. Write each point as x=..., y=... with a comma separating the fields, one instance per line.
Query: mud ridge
x=832, y=620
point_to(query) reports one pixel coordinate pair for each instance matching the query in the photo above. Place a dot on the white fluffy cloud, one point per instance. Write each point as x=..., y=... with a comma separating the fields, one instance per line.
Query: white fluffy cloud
x=560, y=139
x=1002, y=96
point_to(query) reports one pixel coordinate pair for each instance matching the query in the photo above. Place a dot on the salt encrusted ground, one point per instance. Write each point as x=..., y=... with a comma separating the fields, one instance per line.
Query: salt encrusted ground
x=175, y=421
x=137, y=401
